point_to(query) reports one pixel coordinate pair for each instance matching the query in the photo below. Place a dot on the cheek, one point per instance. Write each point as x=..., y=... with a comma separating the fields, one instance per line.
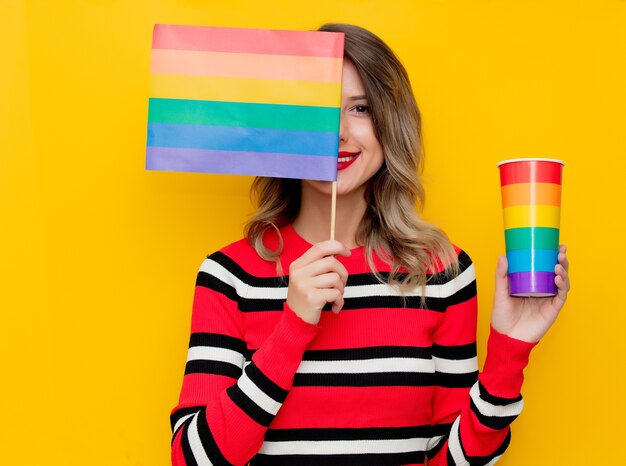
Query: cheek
x=364, y=132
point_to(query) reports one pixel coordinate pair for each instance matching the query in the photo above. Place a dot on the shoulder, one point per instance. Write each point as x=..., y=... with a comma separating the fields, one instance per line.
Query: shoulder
x=458, y=286
x=238, y=259
x=465, y=261
x=463, y=284
x=463, y=258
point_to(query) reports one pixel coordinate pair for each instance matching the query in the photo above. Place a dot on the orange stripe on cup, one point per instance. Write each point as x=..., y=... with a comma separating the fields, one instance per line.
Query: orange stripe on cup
x=531, y=194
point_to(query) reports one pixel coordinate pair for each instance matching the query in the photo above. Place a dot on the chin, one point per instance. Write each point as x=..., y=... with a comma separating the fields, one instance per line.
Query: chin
x=324, y=187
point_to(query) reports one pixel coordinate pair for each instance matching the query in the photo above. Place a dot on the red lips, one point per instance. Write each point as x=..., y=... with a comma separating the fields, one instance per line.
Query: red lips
x=349, y=158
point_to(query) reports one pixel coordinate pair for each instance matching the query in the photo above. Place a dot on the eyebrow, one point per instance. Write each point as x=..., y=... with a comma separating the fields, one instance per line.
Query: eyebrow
x=358, y=97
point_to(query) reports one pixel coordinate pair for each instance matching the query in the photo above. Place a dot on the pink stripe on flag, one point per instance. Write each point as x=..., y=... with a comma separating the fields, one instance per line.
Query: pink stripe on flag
x=240, y=40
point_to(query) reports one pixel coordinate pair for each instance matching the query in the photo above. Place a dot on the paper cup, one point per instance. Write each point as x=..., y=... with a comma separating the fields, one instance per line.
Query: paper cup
x=531, y=203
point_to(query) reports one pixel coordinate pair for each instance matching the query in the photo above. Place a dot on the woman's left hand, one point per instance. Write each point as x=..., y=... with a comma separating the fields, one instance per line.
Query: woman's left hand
x=528, y=319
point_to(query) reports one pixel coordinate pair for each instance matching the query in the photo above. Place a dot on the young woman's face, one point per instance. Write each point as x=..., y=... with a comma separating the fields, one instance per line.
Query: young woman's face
x=360, y=153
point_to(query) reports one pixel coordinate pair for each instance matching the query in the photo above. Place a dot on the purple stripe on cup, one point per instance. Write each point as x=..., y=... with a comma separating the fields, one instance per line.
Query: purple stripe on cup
x=532, y=284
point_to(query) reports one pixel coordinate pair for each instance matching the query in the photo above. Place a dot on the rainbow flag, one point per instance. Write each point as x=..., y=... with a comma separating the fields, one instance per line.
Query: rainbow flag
x=245, y=101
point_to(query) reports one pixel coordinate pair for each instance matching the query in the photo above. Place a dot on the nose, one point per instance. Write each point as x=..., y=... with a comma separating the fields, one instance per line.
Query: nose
x=343, y=128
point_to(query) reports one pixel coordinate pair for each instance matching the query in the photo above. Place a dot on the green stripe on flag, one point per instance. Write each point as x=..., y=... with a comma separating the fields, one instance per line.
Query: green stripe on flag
x=249, y=115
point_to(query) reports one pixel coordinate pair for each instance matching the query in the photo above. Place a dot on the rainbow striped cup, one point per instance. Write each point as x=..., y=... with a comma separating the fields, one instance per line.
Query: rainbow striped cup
x=531, y=202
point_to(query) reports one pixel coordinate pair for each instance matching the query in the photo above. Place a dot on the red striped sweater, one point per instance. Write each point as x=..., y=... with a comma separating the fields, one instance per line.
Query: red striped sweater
x=385, y=382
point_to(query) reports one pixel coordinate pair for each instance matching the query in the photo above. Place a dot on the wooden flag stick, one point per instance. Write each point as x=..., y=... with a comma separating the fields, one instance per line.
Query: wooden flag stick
x=333, y=210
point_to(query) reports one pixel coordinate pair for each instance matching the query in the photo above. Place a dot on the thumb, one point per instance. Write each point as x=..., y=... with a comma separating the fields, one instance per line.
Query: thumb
x=502, y=283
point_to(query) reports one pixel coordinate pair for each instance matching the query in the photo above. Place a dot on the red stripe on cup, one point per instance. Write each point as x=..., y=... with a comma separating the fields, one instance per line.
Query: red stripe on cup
x=530, y=171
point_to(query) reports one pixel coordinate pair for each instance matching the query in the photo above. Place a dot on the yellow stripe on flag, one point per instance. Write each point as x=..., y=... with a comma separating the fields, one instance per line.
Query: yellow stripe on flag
x=267, y=91
x=531, y=216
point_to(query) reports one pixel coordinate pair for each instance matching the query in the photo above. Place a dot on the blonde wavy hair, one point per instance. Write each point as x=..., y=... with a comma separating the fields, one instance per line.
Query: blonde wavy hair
x=391, y=227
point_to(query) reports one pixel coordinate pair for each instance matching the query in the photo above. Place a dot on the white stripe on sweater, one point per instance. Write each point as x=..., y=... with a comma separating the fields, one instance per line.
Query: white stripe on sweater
x=491, y=410
x=181, y=420
x=242, y=289
x=213, y=353
x=432, y=291
x=263, y=400
x=196, y=444
x=454, y=445
x=343, y=447
x=362, y=366
x=456, y=366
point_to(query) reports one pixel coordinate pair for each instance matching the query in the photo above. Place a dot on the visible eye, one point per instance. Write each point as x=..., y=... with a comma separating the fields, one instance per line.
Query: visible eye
x=362, y=108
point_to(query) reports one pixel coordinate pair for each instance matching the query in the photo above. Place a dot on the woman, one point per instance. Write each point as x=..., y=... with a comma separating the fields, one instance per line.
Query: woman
x=389, y=376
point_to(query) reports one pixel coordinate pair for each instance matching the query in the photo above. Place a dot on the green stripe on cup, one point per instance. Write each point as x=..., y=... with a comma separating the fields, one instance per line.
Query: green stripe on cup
x=532, y=238
x=243, y=114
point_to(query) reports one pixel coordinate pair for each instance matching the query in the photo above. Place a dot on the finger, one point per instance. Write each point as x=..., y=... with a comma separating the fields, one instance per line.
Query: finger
x=328, y=280
x=561, y=293
x=337, y=306
x=502, y=283
x=323, y=249
x=562, y=282
x=562, y=272
x=343, y=273
x=563, y=260
x=324, y=265
x=331, y=295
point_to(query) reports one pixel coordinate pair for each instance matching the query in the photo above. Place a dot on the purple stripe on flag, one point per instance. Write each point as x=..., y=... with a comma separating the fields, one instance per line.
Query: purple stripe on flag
x=277, y=165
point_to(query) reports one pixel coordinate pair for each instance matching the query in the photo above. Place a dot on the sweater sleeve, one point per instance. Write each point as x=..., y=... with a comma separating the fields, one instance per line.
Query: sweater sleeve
x=472, y=412
x=225, y=405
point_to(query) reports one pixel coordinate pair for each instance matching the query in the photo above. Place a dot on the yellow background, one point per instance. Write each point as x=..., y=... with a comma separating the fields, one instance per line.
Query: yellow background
x=99, y=256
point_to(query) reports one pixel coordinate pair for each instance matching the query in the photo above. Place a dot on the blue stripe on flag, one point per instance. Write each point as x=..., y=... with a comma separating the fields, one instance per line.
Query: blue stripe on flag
x=233, y=138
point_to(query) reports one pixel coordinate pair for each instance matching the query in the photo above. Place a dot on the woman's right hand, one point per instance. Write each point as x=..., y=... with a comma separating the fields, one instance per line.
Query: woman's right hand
x=317, y=278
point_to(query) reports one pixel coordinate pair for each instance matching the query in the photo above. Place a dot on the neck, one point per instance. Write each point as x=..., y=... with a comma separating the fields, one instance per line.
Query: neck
x=313, y=220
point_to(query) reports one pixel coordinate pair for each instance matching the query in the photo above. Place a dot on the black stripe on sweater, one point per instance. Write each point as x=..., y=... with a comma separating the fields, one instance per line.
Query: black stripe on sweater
x=365, y=433
x=373, y=352
x=353, y=280
x=368, y=302
x=455, y=380
x=496, y=400
x=380, y=459
x=252, y=410
x=206, y=280
x=455, y=352
x=383, y=379
x=208, y=442
x=190, y=460
x=246, y=277
x=217, y=340
x=482, y=460
x=180, y=413
x=365, y=278
x=462, y=295
x=203, y=366
x=493, y=422
x=265, y=384
x=464, y=261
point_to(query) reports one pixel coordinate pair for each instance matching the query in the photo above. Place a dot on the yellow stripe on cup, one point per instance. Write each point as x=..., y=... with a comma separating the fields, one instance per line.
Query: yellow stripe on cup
x=266, y=91
x=519, y=194
x=245, y=65
x=531, y=216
